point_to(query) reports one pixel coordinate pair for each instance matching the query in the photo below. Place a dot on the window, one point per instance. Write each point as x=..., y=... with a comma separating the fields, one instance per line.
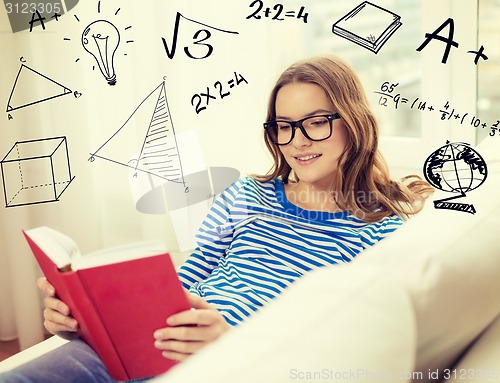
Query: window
x=396, y=62
x=411, y=131
x=488, y=72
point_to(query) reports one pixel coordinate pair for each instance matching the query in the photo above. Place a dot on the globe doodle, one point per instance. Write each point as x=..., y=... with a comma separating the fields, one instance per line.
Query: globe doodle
x=455, y=168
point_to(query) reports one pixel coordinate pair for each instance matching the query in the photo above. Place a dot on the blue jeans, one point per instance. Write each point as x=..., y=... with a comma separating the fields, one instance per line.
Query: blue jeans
x=73, y=362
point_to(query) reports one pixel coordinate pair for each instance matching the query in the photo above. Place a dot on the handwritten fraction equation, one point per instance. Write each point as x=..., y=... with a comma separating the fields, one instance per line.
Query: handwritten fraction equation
x=388, y=97
x=277, y=12
x=200, y=101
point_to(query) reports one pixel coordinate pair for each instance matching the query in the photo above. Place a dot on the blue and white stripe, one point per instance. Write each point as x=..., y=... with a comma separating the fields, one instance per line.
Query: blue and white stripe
x=254, y=243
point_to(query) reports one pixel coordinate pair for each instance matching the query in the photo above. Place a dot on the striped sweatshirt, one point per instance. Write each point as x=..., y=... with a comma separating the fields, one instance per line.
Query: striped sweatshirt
x=254, y=243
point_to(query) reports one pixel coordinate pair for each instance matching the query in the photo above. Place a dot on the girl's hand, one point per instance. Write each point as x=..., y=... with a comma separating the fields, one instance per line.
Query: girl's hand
x=57, y=316
x=190, y=330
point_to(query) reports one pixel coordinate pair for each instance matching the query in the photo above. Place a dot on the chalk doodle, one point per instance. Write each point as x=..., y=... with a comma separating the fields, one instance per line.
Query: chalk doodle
x=157, y=153
x=27, y=80
x=36, y=171
x=367, y=25
x=479, y=54
x=278, y=8
x=455, y=168
x=101, y=39
x=200, y=101
x=446, y=112
x=199, y=39
x=37, y=17
x=25, y=15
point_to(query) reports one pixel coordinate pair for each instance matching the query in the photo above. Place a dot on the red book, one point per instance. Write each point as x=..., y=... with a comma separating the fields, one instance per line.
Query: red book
x=119, y=296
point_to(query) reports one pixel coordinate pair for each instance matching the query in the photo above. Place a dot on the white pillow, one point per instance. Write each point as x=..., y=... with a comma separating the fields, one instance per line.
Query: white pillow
x=450, y=262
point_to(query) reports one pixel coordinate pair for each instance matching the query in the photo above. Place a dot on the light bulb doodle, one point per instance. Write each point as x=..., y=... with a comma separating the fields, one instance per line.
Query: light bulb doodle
x=101, y=40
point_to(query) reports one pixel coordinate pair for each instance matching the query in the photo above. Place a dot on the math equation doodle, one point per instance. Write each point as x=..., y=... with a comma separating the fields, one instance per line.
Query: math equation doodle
x=447, y=112
x=278, y=8
x=367, y=25
x=200, y=40
x=157, y=152
x=200, y=101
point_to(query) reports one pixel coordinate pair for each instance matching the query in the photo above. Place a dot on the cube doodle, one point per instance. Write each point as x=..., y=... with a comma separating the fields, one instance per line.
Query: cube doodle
x=36, y=171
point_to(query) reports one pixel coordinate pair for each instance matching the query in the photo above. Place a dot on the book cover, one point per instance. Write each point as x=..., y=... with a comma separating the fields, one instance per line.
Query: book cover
x=367, y=25
x=118, y=307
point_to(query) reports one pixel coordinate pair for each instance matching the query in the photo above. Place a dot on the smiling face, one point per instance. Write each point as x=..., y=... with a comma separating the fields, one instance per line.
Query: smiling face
x=314, y=162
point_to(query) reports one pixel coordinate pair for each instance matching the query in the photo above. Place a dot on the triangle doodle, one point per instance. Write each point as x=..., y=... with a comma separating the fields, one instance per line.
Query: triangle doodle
x=146, y=142
x=32, y=87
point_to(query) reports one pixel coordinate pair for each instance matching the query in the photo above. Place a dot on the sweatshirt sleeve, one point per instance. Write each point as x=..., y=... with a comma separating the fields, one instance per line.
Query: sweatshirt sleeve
x=375, y=232
x=213, y=238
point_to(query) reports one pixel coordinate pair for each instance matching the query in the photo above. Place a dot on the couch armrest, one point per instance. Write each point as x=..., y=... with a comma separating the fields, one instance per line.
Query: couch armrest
x=481, y=361
x=31, y=353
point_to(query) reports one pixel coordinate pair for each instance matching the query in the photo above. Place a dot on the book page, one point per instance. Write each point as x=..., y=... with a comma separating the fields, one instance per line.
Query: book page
x=60, y=248
x=117, y=254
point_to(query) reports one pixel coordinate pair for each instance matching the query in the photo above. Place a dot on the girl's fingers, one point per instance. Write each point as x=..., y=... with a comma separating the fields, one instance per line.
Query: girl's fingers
x=56, y=305
x=199, y=317
x=46, y=287
x=179, y=347
x=56, y=322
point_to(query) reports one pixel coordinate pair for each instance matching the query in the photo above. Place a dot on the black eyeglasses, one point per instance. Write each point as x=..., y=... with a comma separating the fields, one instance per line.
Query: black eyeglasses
x=314, y=128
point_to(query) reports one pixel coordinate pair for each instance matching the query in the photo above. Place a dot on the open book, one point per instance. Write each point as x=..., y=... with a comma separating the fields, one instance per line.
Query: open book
x=119, y=296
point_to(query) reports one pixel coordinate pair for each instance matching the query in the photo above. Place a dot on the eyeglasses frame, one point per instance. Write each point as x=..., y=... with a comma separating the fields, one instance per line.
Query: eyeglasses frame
x=298, y=124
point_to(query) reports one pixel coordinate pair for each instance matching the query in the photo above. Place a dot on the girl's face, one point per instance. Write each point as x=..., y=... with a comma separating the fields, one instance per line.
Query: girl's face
x=314, y=162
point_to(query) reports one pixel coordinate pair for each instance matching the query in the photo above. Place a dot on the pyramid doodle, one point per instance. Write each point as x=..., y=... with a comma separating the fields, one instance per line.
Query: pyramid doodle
x=146, y=142
x=32, y=87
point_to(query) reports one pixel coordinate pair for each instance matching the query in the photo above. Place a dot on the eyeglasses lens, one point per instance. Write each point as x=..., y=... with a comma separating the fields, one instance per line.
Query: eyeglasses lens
x=317, y=128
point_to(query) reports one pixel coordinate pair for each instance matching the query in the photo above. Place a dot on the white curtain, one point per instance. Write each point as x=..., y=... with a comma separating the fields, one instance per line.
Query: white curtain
x=97, y=208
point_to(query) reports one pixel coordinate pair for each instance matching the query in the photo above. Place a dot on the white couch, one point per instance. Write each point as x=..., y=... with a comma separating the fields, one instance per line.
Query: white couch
x=422, y=304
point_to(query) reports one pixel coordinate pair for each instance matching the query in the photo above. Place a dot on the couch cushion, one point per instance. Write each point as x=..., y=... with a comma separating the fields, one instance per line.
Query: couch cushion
x=338, y=326
x=481, y=361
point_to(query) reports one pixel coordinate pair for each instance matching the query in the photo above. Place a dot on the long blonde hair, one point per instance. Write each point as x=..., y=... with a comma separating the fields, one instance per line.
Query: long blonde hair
x=361, y=170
